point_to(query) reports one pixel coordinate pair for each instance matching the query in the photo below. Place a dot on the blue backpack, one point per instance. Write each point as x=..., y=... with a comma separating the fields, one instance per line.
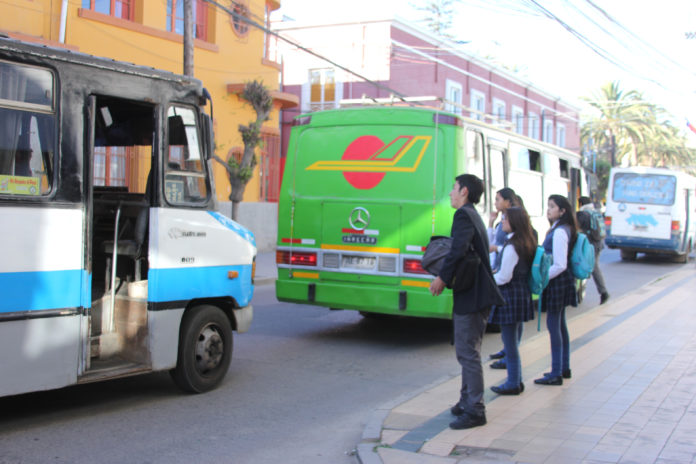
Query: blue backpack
x=539, y=277
x=582, y=259
x=539, y=274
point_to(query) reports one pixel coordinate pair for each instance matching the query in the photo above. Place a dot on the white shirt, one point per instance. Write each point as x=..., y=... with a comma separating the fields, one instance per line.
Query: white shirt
x=507, y=265
x=560, y=252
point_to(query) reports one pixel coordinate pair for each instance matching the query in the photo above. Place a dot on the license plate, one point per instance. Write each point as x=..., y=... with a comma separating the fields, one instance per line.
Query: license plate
x=358, y=262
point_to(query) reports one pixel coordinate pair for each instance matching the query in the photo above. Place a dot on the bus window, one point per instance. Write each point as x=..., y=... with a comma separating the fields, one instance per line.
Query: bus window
x=651, y=189
x=564, y=168
x=122, y=145
x=27, y=125
x=474, y=153
x=497, y=170
x=185, y=176
x=528, y=159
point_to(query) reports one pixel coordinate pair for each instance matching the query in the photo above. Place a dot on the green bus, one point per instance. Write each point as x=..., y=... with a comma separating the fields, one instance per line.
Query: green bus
x=364, y=189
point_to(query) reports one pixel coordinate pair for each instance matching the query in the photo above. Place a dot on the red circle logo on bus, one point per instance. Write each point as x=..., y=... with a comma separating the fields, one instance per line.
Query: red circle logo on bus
x=363, y=148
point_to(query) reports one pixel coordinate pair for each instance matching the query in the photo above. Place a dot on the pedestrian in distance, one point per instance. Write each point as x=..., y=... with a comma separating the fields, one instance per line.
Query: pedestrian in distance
x=591, y=222
x=471, y=306
x=513, y=281
x=560, y=291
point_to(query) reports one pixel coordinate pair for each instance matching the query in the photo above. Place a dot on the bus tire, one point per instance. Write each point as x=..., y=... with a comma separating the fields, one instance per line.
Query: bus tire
x=205, y=349
x=628, y=255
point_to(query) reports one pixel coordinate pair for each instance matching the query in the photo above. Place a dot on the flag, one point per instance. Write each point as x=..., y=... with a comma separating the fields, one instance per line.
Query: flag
x=690, y=126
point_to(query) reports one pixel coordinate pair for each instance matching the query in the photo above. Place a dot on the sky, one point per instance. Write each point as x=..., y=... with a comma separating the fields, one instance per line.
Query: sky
x=642, y=44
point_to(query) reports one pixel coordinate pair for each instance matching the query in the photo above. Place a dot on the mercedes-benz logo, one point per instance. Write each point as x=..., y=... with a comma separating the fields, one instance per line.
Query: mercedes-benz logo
x=359, y=218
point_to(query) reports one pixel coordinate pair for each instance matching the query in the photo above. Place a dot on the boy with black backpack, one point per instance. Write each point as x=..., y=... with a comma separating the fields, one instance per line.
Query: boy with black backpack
x=591, y=222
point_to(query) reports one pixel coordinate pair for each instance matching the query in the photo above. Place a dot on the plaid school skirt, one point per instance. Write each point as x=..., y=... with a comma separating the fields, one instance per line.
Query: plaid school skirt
x=560, y=292
x=518, y=305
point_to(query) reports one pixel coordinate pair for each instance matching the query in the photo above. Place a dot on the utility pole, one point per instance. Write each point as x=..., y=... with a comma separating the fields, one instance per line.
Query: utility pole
x=188, y=38
x=613, y=150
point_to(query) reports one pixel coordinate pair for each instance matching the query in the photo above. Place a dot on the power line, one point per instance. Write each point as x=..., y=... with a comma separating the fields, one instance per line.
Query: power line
x=300, y=47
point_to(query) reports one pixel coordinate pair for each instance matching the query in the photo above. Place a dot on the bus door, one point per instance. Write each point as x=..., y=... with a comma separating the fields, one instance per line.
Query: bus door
x=41, y=238
x=122, y=180
x=477, y=164
x=497, y=164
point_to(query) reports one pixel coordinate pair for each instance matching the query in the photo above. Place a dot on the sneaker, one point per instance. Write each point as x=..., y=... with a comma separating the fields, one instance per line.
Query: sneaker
x=603, y=298
x=499, y=355
x=467, y=421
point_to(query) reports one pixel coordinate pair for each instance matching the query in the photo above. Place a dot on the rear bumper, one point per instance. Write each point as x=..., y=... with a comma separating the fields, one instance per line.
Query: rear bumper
x=402, y=300
x=645, y=245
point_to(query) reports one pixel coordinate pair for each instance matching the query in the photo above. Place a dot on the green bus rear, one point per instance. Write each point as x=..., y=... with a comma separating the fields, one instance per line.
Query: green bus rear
x=363, y=191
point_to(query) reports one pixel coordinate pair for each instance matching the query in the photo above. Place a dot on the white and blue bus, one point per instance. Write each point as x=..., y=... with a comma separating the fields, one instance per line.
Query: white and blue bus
x=651, y=210
x=113, y=260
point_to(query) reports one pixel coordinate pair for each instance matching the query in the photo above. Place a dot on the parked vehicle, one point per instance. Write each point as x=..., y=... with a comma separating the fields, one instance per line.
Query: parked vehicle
x=651, y=210
x=364, y=189
x=114, y=262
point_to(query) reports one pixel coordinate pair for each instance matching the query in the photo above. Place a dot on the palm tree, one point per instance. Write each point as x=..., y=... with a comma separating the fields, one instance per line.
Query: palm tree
x=621, y=119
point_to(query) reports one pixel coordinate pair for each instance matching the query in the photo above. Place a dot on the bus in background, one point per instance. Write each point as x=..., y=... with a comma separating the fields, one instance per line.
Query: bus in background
x=651, y=210
x=364, y=189
x=114, y=262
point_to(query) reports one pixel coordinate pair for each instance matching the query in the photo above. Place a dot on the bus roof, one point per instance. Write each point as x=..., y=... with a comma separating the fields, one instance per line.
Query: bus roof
x=44, y=52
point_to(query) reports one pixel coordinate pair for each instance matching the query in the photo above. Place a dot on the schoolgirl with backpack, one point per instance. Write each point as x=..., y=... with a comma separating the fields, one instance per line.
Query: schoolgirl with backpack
x=513, y=282
x=560, y=291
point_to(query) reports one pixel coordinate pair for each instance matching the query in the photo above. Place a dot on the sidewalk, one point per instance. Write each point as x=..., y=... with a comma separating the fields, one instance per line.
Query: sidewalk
x=632, y=397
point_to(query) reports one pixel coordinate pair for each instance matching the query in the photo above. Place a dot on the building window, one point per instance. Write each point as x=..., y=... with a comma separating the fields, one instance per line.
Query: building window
x=454, y=97
x=560, y=135
x=548, y=132
x=499, y=111
x=269, y=167
x=518, y=119
x=239, y=17
x=478, y=104
x=533, y=126
x=175, y=18
x=322, y=93
x=118, y=8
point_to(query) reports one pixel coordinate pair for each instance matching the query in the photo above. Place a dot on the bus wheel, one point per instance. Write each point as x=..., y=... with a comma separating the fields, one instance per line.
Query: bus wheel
x=205, y=349
x=628, y=255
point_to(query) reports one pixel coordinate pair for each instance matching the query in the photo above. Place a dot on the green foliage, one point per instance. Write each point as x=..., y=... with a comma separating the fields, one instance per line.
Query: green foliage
x=439, y=15
x=637, y=131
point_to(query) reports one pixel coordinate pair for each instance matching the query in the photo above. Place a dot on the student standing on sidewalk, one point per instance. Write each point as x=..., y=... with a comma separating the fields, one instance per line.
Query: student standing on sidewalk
x=561, y=289
x=470, y=307
x=594, y=235
x=512, y=279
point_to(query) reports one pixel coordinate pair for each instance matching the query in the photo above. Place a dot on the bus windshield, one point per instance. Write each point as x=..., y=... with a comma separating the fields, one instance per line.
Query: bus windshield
x=651, y=189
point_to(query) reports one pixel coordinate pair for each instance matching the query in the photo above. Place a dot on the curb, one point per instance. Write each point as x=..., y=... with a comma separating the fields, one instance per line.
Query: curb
x=373, y=429
x=261, y=281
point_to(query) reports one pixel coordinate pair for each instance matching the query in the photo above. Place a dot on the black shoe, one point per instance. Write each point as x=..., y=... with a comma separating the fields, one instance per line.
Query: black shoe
x=467, y=421
x=508, y=391
x=500, y=364
x=499, y=355
x=549, y=381
x=566, y=374
x=603, y=298
x=457, y=410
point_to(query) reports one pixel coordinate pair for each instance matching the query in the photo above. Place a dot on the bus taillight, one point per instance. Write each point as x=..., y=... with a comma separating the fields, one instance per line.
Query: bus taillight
x=413, y=266
x=607, y=221
x=676, y=226
x=296, y=258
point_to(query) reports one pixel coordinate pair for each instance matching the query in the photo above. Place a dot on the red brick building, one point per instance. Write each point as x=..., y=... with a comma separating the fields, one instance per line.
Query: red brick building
x=406, y=60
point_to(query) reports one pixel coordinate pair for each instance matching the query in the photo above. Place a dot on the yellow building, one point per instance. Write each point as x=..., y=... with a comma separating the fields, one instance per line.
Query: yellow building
x=228, y=53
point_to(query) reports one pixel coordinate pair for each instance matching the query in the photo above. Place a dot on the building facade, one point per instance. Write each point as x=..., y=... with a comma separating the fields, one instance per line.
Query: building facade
x=228, y=52
x=387, y=58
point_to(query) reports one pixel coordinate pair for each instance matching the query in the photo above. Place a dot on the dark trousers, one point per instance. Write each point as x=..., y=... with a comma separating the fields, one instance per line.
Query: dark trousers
x=560, y=341
x=468, y=334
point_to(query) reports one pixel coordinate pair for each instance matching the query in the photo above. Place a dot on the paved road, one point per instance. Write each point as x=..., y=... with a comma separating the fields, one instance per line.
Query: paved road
x=303, y=382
